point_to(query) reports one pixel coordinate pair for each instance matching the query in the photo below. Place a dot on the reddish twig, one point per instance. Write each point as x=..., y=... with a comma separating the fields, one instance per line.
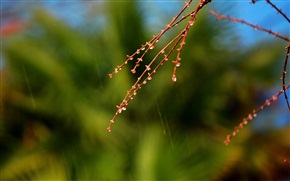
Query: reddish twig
x=256, y=27
x=254, y=113
x=180, y=40
x=284, y=87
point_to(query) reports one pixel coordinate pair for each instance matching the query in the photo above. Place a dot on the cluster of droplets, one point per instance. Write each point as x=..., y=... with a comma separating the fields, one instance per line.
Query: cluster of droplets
x=167, y=50
x=254, y=114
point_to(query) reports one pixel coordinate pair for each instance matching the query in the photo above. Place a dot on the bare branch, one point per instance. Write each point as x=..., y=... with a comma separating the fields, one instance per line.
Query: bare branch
x=284, y=75
x=254, y=114
x=180, y=40
x=278, y=10
x=256, y=27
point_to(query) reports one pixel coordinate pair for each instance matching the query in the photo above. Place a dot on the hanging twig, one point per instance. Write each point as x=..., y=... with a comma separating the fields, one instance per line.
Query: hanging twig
x=148, y=73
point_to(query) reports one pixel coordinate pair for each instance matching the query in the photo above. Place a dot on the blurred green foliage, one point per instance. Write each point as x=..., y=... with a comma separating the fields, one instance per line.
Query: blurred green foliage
x=58, y=99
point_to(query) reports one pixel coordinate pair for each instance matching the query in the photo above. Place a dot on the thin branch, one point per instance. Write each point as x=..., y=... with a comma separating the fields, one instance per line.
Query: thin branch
x=254, y=113
x=278, y=10
x=256, y=27
x=179, y=39
x=284, y=75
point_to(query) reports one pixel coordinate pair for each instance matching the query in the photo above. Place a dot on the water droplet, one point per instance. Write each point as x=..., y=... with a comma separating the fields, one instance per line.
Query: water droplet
x=125, y=102
x=133, y=71
x=144, y=82
x=129, y=57
x=110, y=75
x=138, y=51
x=139, y=59
x=151, y=47
x=250, y=117
x=241, y=125
x=147, y=68
x=149, y=78
x=174, y=79
x=178, y=64
x=109, y=129
x=190, y=23
x=116, y=70
x=124, y=108
x=254, y=115
x=143, y=48
x=165, y=58
x=112, y=121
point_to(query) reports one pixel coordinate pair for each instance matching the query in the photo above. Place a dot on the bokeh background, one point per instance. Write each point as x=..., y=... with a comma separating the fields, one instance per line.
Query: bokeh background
x=57, y=98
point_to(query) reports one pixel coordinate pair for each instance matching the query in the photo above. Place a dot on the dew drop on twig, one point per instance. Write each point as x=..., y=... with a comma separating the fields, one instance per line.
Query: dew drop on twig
x=174, y=79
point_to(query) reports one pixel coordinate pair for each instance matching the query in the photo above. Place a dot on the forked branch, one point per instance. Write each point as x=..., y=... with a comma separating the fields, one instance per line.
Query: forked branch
x=177, y=43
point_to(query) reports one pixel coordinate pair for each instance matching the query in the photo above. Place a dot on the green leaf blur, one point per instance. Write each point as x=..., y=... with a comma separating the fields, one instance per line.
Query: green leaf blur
x=58, y=99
